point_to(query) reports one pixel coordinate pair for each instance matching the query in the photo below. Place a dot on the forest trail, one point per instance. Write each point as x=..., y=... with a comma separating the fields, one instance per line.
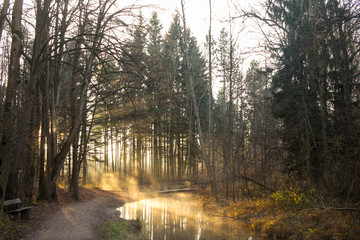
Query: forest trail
x=78, y=220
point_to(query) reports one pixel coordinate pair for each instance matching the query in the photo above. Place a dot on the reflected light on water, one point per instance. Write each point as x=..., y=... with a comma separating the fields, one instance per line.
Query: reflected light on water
x=179, y=216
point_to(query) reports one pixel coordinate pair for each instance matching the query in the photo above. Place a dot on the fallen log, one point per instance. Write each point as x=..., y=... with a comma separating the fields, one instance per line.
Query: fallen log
x=176, y=191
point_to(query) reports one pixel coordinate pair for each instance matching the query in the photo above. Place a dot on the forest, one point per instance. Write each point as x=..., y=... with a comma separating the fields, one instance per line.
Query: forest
x=92, y=89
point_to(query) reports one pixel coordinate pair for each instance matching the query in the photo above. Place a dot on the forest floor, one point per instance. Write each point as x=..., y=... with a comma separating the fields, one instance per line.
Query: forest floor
x=292, y=214
x=69, y=219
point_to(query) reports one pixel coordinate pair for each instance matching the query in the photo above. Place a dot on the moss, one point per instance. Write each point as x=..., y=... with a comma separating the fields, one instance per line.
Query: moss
x=121, y=230
x=19, y=34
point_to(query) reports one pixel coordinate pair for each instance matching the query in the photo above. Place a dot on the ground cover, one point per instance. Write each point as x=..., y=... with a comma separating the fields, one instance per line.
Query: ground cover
x=292, y=214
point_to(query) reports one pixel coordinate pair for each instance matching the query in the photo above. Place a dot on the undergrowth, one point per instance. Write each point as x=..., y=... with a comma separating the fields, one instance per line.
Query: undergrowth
x=295, y=214
x=11, y=230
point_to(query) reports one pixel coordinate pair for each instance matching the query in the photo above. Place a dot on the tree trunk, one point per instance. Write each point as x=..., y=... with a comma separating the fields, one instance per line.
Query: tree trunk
x=205, y=157
x=155, y=147
x=112, y=150
x=125, y=151
x=74, y=185
x=178, y=149
x=3, y=14
x=106, y=150
x=27, y=180
x=138, y=158
x=8, y=140
x=44, y=133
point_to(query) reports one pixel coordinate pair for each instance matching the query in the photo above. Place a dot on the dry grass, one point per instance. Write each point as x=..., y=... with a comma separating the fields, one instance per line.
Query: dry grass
x=292, y=214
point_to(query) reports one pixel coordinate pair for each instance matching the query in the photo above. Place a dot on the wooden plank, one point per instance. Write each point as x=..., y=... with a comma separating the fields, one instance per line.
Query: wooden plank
x=12, y=202
x=20, y=209
x=176, y=191
x=20, y=214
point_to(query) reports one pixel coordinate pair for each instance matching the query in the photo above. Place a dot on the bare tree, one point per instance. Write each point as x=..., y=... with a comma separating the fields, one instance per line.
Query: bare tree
x=204, y=155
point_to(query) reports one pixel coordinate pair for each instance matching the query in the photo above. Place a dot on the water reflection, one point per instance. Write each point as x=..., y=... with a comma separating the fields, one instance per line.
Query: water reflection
x=179, y=216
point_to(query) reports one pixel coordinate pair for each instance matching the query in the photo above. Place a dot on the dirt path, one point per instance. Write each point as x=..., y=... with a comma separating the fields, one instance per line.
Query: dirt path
x=77, y=220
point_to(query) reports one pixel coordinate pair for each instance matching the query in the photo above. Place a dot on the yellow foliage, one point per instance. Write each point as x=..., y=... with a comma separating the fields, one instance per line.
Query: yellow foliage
x=294, y=213
x=292, y=199
x=34, y=200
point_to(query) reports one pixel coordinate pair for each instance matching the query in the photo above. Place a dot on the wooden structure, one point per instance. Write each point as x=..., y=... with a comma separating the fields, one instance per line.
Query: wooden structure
x=14, y=209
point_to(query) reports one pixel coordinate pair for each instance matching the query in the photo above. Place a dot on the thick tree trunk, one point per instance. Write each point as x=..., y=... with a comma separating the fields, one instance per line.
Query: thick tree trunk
x=74, y=185
x=27, y=122
x=44, y=126
x=27, y=180
x=8, y=137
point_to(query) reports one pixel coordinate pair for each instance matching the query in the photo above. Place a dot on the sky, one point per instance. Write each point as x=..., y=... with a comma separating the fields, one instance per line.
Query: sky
x=247, y=38
x=197, y=18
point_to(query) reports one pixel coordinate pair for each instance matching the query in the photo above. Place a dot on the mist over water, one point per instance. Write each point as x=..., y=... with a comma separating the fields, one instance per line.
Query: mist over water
x=180, y=216
x=175, y=216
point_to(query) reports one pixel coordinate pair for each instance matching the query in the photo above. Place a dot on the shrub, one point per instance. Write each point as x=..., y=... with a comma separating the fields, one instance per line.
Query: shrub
x=292, y=199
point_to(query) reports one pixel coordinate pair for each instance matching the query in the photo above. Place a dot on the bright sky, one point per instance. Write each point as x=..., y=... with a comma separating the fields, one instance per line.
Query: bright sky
x=197, y=18
x=197, y=15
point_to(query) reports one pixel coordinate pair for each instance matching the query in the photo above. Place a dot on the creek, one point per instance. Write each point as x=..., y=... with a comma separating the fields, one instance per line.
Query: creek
x=180, y=216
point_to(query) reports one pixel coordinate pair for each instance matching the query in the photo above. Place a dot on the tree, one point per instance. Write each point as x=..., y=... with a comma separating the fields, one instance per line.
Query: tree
x=309, y=84
x=205, y=157
x=8, y=132
x=3, y=13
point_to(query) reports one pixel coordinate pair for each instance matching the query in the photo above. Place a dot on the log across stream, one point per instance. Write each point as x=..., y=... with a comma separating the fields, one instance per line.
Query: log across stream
x=177, y=215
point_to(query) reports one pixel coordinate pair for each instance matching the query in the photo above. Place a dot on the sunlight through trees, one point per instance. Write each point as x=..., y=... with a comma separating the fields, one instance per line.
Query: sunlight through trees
x=90, y=89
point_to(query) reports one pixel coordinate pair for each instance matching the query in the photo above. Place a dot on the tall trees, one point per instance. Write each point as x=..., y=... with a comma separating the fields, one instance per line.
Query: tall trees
x=292, y=84
x=313, y=88
x=57, y=54
x=84, y=90
x=261, y=134
x=99, y=29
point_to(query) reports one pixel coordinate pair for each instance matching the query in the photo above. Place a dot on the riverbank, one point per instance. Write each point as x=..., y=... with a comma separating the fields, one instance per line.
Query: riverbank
x=289, y=214
x=121, y=229
x=292, y=214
